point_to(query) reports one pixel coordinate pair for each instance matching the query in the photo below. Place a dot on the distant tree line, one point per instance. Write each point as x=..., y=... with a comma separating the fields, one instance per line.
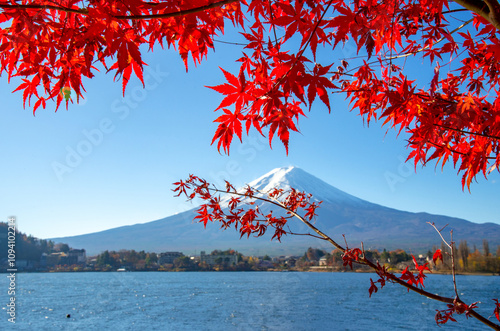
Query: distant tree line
x=334, y=258
x=467, y=259
x=142, y=261
x=472, y=259
x=27, y=247
x=126, y=259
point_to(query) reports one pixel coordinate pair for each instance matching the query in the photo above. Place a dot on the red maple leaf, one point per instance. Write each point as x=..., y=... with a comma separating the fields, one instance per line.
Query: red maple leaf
x=496, y=312
x=230, y=124
x=438, y=255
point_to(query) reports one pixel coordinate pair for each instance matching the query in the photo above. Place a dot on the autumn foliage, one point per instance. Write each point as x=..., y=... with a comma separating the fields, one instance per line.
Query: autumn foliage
x=243, y=210
x=291, y=60
x=296, y=53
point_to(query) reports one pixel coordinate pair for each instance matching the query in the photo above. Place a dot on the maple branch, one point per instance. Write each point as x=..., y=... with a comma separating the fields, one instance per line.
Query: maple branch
x=482, y=319
x=395, y=279
x=315, y=229
x=278, y=203
x=477, y=6
x=215, y=189
x=281, y=205
x=454, y=151
x=487, y=9
x=361, y=260
x=494, y=14
x=327, y=238
x=468, y=132
x=84, y=11
x=436, y=297
x=81, y=11
x=176, y=14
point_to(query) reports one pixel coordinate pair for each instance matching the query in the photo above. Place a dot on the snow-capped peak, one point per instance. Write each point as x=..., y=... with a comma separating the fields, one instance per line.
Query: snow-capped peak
x=274, y=178
x=297, y=178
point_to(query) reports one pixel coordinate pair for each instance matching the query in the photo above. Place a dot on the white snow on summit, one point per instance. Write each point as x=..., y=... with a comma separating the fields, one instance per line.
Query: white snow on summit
x=274, y=178
x=297, y=178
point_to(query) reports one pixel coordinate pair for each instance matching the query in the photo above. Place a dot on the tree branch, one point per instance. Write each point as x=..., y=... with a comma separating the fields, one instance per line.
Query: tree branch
x=487, y=9
x=81, y=11
x=468, y=132
x=362, y=260
x=84, y=11
x=176, y=14
x=304, y=234
x=457, y=152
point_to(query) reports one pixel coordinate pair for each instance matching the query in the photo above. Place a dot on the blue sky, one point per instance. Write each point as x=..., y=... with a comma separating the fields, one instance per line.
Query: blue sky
x=111, y=161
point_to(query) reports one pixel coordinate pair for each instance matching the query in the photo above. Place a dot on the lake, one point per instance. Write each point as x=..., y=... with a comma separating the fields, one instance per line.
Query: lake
x=233, y=301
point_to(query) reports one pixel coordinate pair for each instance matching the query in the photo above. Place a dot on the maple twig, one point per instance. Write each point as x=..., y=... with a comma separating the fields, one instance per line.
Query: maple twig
x=454, y=151
x=305, y=234
x=428, y=46
x=439, y=232
x=315, y=229
x=301, y=50
x=241, y=44
x=453, y=266
x=411, y=53
x=263, y=219
x=326, y=237
x=272, y=18
x=468, y=132
x=452, y=250
x=455, y=11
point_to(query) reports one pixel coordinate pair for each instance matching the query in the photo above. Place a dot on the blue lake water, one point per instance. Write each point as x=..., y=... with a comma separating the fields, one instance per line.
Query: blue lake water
x=233, y=301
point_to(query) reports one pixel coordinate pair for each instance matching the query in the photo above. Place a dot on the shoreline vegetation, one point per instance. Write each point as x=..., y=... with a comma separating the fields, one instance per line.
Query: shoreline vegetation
x=328, y=270
x=318, y=270
x=313, y=260
x=39, y=255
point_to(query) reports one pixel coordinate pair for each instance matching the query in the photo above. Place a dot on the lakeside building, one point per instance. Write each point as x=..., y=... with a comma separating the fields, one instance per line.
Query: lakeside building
x=218, y=259
x=77, y=256
x=323, y=261
x=168, y=257
x=73, y=256
x=287, y=260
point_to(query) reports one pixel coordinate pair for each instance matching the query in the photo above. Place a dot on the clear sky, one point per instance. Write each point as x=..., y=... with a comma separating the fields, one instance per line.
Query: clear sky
x=111, y=161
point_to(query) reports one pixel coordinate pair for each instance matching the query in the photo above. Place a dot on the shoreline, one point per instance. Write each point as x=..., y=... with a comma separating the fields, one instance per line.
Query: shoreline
x=319, y=270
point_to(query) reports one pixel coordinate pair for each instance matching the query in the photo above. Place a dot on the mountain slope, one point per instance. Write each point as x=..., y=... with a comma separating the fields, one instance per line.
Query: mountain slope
x=340, y=213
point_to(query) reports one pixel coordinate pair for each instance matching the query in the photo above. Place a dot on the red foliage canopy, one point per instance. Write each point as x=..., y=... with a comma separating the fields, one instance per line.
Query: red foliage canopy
x=454, y=116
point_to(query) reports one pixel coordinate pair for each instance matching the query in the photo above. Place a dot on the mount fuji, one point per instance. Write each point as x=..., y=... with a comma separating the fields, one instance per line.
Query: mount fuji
x=378, y=227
